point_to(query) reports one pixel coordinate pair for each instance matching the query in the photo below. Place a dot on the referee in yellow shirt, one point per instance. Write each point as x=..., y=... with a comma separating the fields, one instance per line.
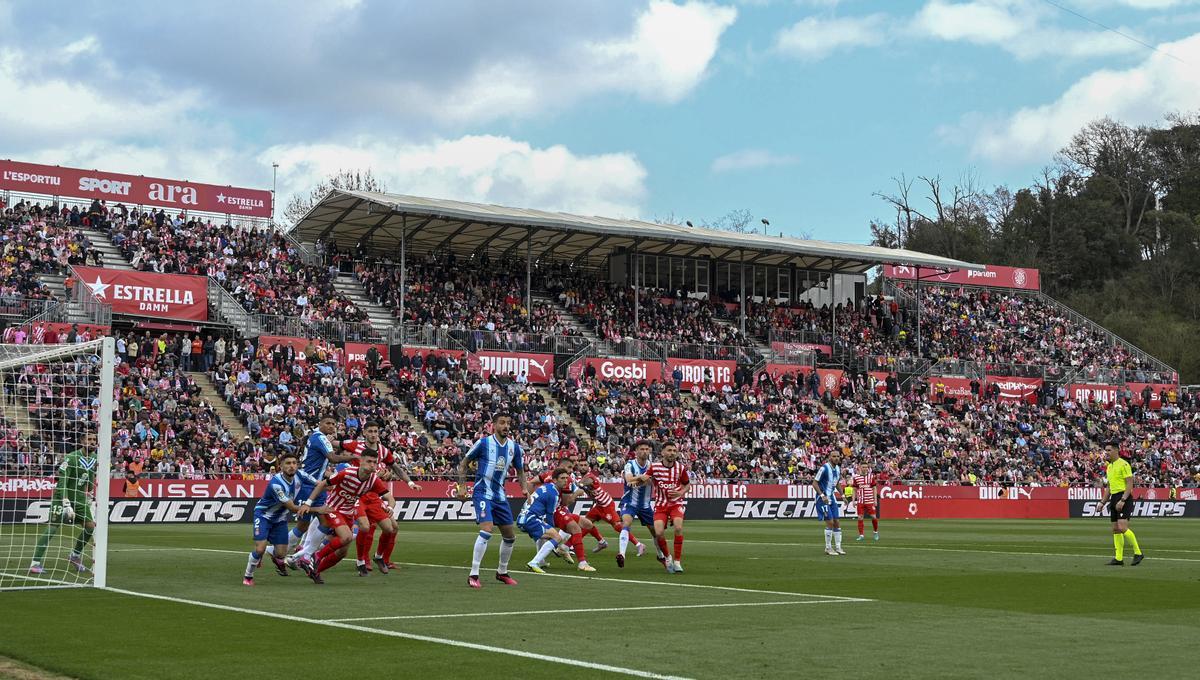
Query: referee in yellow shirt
x=1119, y=498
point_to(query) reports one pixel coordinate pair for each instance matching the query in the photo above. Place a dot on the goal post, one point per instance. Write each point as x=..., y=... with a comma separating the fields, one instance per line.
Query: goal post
x=56, y=419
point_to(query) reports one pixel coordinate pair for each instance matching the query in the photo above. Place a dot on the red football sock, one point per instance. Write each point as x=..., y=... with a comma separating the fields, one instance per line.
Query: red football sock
x=662, y=545
x=874, y=525
x=678, y=547
x=860, y=527
x=329, y=548
x=386, y=543
x=595, y=533
x=328, y=561
x=577, y=546
x=362, y=544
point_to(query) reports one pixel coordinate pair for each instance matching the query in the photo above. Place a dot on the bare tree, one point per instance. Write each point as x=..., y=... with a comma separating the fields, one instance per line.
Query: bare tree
x=1121, y=156
x=737, y=221
x=351, y=180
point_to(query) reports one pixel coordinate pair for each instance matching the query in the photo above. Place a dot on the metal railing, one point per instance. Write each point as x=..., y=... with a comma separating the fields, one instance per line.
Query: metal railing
x=332, y=331
x=223, y=305
x=85, y=306
x=23, y=307
x=1113, y=338
x=307, y=254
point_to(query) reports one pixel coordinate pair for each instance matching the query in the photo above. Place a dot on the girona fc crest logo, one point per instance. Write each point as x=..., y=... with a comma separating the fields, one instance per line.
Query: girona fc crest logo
x=1019, y=277
x=831, y=381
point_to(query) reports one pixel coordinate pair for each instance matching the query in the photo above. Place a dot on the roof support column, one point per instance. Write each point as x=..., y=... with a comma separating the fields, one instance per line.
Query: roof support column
x=742, y=291
x=833, y=306
x=637, y=274
x=529, y=278
x=403, y=273
x=919, y=311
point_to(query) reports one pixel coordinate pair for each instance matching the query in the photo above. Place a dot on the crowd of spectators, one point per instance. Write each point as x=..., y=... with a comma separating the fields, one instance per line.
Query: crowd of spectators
x=34, y=240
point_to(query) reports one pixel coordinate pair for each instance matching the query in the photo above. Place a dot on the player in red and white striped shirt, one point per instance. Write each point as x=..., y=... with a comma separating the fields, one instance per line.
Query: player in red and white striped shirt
x=865, y=486
x=671, y=483
x=603, y=507
x=345, y=489
x=371, y=509
x=572, y=526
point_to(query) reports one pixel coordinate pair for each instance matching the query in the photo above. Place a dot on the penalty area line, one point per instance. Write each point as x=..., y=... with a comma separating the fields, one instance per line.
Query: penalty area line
x=840, y=598
x=407, y=636
x=876, y=546
x=594, y=610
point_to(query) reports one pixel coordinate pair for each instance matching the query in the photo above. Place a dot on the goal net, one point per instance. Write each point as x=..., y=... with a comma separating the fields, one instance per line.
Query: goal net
x=56, y=432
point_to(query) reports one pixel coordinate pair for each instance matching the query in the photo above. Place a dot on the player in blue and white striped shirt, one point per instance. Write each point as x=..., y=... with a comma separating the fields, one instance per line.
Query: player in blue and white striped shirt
x=271, y=514
x=635, y=502
x=492, y=455
x=826, y=484
x=537, y=516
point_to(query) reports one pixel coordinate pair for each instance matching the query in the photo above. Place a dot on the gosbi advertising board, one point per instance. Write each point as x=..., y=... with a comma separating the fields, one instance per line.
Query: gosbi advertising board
x=537, y=368
x=625, y=369
x=131, y=190
x=166, y=296
x=992, y=275
x=27, y=499
x=699, y=371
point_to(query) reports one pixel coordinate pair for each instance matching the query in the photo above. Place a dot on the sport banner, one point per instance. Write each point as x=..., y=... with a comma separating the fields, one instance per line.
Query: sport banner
x=992, y=275
x=1015, y=389
x=954, y=388
x=625, y=369
x=538, y=368
x=699, y=371
x=168, y=296
x=115, y=187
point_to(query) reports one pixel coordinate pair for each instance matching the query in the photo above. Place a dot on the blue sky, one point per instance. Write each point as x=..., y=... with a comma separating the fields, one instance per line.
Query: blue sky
x=797, y=110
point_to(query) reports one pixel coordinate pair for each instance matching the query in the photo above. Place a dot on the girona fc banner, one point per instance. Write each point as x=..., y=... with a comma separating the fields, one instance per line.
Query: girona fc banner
x=1156, y=392
x=1015, y=389
x=1090, y=394
x=168, y=296
x=992, y=275
x=133, y=189
x=538, y=368
x=697, y=371
x=626, y=369
x=830, y=378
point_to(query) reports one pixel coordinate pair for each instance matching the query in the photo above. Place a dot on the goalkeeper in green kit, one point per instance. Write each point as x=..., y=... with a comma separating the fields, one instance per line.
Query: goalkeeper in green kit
x=75, y=479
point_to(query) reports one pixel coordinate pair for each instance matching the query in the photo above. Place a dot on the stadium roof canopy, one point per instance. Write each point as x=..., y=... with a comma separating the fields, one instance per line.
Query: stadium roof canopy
x=378, y=219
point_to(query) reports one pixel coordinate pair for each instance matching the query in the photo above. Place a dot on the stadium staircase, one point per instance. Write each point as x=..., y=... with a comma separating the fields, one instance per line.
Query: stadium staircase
x=564, y=416
x=574, y=321
x=406, y=413
x=110, y=253
x=72, y=312
x=16, y=412
x=381, y=318
x=209, y=393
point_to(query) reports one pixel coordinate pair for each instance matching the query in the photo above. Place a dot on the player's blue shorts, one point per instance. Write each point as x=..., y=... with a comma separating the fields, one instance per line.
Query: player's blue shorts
x=534, y=526
x=643, y=515
x=273, y=531
x=828, y=511
x=497, y=512
x=306, y=489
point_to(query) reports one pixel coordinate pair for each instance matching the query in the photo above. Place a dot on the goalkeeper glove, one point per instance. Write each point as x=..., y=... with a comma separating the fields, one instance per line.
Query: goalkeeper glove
x=68, y=513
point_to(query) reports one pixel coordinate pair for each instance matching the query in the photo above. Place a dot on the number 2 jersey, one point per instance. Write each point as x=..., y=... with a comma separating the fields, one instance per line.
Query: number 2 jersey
x=273, y=503
x=636, y=497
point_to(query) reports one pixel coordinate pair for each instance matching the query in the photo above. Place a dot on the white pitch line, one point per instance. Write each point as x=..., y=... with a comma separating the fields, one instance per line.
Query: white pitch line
x=588, y=611
x=44, y=579
x=674, y=584
x=589, y=578
x=876, y=546
x=407, y=636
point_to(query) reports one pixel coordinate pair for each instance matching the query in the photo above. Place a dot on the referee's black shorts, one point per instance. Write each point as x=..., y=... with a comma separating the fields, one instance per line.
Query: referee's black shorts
x=1125, y=512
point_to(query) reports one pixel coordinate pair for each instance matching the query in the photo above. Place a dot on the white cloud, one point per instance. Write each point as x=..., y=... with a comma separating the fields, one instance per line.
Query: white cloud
x=1019, y=27
x=814, y=38
x=1138, y=95
x=1135, y=4
x=482, y=168
x=751, y=159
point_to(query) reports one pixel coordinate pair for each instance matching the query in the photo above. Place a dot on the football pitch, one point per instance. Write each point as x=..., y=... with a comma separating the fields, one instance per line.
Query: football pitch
x=944, y=599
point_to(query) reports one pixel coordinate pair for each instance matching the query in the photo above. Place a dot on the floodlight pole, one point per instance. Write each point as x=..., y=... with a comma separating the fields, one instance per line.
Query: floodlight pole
x=833, y=306
x=919, y=311
x=637, y=270
x=274, y=185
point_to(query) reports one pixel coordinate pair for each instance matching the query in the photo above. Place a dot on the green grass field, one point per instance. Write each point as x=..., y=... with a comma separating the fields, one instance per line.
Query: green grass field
x=948, y=599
